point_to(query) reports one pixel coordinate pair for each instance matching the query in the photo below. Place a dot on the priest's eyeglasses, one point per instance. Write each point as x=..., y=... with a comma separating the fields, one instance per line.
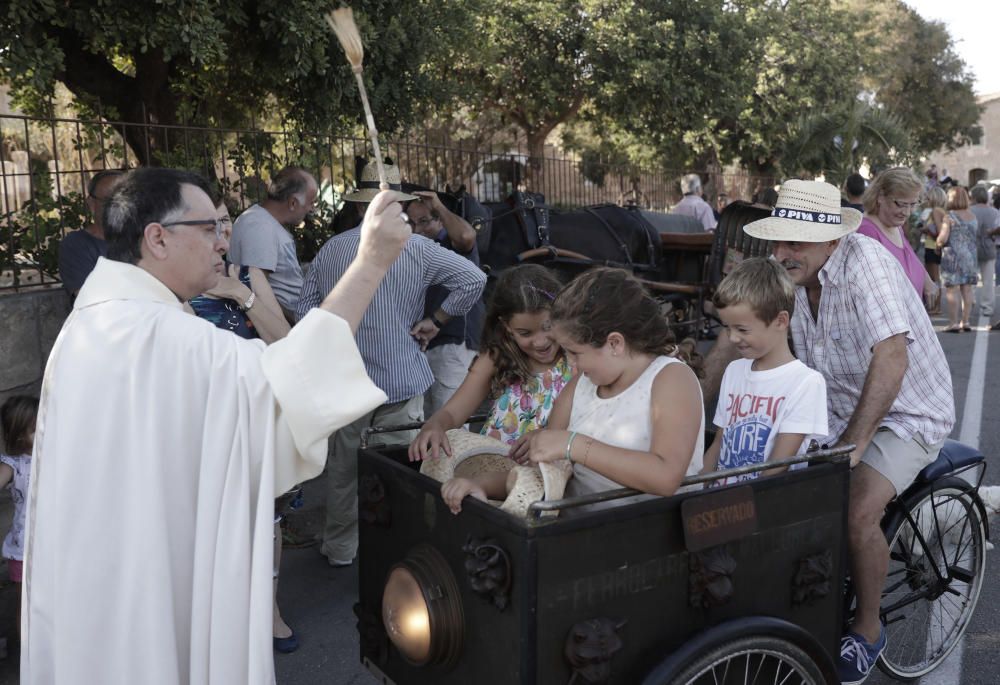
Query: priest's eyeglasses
x=217, y=223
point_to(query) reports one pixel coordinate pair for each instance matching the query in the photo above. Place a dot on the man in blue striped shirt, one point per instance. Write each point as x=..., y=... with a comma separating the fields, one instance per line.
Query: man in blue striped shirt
x=391, y=338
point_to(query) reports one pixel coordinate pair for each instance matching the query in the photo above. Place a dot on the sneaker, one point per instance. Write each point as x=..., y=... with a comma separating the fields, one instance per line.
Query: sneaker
x=335, y=562
x=857, y=657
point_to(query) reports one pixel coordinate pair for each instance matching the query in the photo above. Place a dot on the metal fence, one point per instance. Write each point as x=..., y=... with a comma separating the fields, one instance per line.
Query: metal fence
x=45, y=165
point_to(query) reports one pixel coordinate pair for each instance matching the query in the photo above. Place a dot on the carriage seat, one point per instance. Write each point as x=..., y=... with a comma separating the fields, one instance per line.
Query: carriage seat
x=953, y=456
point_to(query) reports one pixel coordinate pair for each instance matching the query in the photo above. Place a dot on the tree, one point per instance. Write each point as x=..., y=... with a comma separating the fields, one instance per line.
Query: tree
x=216, y=62
x=836, y=143
x=530, y=64
x=707, y=83
x=913, y=71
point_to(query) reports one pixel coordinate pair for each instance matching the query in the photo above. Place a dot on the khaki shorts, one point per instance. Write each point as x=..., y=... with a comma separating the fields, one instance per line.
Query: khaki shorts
x=898, y=460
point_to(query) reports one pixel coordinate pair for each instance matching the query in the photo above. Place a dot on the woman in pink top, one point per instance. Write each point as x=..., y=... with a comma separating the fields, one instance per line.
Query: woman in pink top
x=888, y=202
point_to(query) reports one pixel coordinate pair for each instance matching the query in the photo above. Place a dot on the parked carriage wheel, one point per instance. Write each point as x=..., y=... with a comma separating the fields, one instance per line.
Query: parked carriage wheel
x=754, y=659
x=925, y=617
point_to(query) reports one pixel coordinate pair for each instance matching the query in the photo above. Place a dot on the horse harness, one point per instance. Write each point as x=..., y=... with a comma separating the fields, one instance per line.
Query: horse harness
x=533, y=216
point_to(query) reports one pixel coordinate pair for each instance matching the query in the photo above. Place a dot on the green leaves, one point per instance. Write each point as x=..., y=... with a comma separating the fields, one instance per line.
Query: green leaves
x=675, y=82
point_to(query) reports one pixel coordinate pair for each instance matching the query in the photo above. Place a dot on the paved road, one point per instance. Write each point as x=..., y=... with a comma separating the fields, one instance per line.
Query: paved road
x=316, y=599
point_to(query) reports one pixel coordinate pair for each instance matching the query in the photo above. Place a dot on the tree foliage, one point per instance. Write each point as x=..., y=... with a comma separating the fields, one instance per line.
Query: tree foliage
x=215, y=62
x=680, y=83
x=837, y=143
x=717, y=82
x=912, y=70
x=530, y=65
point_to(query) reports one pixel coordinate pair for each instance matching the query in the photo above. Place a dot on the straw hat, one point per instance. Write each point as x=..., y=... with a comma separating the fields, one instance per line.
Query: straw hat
x=368, y=184
x=807, y=212
x=473, y=454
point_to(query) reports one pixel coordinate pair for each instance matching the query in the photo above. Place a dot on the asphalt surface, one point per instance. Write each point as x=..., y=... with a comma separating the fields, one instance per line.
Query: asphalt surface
x=316, y=600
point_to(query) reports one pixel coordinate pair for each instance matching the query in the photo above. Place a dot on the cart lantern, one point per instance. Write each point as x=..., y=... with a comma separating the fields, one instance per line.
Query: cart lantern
x=422, y=610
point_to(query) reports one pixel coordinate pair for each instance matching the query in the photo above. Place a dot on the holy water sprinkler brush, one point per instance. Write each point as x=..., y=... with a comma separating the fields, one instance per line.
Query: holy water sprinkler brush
x=342, y=22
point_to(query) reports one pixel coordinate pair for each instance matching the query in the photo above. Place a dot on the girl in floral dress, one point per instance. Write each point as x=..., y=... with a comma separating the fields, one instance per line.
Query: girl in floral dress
x=520, y=366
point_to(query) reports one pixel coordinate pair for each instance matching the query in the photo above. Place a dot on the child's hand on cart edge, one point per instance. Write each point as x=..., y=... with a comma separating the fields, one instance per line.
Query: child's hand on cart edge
x=457, y=489
x=431, y=443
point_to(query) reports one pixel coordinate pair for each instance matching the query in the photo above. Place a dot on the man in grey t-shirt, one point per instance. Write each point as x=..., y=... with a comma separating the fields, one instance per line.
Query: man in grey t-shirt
x=261, y=237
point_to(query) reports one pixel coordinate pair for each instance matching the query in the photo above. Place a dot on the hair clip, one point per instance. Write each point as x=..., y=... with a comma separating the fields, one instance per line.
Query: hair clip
x=543, y=292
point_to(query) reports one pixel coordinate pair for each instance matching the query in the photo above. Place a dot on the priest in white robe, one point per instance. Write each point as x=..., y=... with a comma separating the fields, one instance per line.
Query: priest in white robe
x=162, y=442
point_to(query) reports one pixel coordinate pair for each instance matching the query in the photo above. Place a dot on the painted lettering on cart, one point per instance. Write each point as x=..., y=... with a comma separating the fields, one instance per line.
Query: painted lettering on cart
x=723, y=516
x=630, y=579
x=715, y=518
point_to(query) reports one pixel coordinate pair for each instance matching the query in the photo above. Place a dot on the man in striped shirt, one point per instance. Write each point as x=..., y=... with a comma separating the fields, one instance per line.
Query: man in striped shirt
x=391, y=337
x=860, y=323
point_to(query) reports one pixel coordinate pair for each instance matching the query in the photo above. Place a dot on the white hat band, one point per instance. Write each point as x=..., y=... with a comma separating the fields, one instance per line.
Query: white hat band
x=804, y=215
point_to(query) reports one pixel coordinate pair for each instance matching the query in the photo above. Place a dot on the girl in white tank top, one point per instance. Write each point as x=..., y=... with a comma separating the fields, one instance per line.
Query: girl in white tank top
x=632, y=416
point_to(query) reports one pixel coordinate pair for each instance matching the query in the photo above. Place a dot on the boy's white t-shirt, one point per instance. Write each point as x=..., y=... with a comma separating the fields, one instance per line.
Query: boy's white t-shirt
x=755, y=406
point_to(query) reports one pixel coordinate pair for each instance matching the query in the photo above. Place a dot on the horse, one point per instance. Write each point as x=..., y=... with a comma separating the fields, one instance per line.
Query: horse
x=524, y=228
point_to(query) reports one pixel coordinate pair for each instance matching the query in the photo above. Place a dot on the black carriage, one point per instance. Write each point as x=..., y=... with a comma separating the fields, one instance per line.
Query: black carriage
x=654, y=591
x=740, y=584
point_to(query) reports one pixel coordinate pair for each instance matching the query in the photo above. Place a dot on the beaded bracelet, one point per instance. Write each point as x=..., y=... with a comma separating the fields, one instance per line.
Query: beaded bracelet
x=586, y=452
x=569, y=446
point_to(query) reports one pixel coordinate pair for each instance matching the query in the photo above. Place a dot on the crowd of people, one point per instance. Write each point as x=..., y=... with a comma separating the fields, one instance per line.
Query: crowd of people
x=829, y=341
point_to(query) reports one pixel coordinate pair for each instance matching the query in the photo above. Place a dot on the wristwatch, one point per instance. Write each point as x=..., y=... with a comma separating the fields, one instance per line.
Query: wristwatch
x=249, y=303
x=437, y=324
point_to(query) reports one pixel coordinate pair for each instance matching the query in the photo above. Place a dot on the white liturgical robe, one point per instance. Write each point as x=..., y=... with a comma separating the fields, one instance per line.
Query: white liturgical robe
x=160, y=446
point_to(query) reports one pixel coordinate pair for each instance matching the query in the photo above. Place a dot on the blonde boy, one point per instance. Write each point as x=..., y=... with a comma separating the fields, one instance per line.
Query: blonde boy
x=770, y=403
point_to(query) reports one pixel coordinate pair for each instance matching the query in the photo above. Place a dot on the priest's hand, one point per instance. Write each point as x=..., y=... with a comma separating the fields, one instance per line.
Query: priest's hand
x=384, y=231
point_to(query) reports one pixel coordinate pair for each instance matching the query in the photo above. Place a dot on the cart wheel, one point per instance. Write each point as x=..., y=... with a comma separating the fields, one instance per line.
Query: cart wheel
x=925, y=617
x=754, y=659
x=747, y=651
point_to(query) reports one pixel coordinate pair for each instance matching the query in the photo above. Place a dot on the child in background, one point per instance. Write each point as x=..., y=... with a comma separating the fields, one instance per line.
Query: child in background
x=770, y=403
x=520, y=366
x=632, y=416
x=17, y=421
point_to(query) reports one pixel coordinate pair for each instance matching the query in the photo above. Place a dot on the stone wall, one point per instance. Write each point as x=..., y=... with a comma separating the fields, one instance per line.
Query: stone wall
x=984, y=157
x=29, y=324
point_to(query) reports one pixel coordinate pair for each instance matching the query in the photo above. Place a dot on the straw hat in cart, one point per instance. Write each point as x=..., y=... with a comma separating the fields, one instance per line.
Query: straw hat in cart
x=473, y=454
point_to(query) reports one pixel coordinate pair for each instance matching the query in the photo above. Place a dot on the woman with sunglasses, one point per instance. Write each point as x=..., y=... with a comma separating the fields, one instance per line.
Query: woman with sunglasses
x=888, y=201
x=959, y=268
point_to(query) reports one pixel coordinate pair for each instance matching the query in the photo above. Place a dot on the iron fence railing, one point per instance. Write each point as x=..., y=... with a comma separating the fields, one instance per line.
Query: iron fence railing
x=45, y=164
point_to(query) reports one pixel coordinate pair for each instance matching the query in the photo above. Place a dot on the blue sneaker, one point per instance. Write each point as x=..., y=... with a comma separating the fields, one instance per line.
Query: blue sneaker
x=858, y=656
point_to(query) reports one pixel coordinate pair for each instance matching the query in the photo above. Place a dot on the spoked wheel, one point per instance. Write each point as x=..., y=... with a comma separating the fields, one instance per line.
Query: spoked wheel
x=753, y=660
x=934, y=578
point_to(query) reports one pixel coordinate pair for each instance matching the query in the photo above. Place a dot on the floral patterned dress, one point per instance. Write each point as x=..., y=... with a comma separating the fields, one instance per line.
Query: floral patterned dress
x=524, y=407
x=958, y=258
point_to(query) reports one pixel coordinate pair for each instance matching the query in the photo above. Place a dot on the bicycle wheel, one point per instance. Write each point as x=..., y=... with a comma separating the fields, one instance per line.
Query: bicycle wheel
x=752, y=660
x=936, y=560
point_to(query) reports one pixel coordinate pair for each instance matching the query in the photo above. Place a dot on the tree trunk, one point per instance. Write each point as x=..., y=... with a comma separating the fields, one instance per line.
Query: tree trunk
x=140, y=101
x=535, y=177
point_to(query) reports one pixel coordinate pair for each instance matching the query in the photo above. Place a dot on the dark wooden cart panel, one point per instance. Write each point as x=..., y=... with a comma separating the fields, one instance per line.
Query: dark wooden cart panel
x=626, y=563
